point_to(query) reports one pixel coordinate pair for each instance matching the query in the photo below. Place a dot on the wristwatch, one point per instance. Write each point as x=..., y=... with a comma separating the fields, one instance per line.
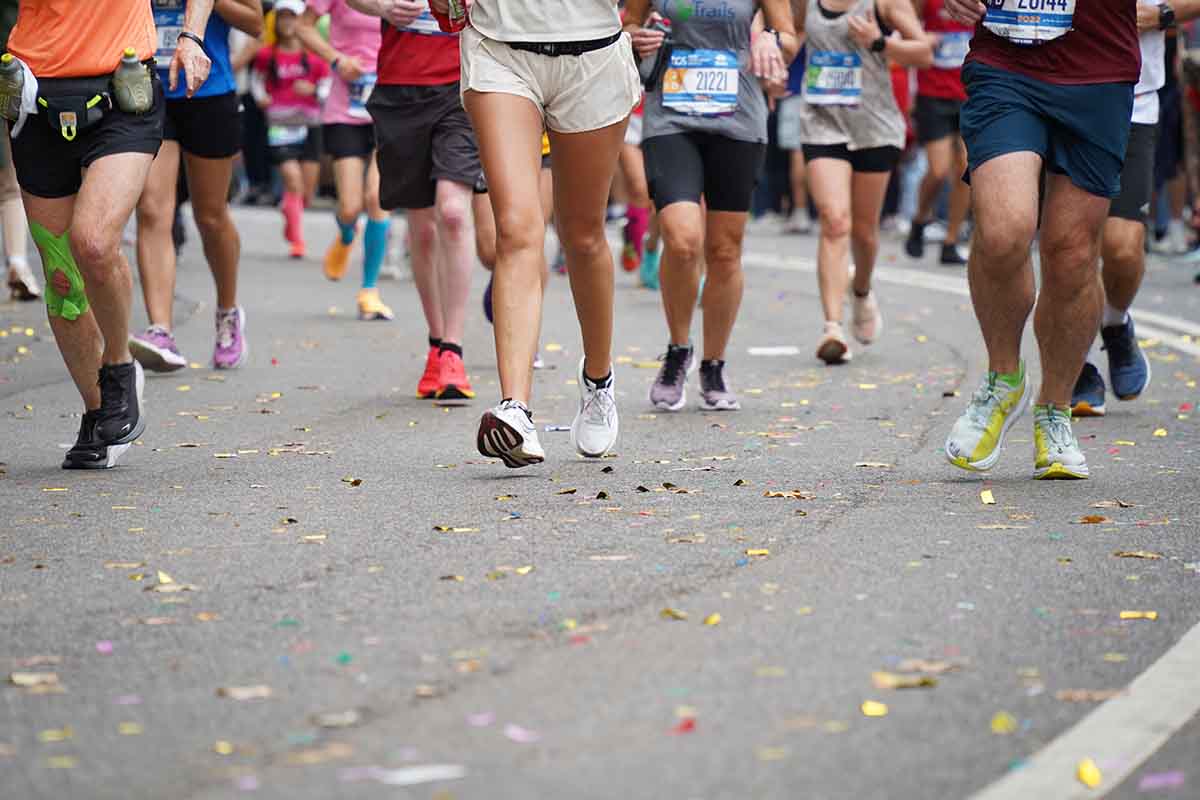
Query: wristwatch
x=879, y=44
x=1166, y=17
x=775, y=33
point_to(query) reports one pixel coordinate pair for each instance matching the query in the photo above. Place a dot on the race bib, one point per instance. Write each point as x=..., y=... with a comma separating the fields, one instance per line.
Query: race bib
x=952, y=50
x=284, y=135
x=426, y=25
x=359, y=93
x=833, y=79
x=701, y=82
x=1029, y=21
x=168, y=24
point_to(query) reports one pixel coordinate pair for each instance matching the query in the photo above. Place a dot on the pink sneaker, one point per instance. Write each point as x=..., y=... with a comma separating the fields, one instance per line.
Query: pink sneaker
x=155, y=350
x=230, y=349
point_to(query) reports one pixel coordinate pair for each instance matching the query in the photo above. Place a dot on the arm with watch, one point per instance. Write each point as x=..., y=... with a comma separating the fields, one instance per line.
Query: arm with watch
x=189, y=53
x=1166, y=15
x=908, y=45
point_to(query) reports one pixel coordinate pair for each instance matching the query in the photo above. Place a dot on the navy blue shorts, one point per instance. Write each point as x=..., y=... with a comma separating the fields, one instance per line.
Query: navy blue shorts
x=1080, y=131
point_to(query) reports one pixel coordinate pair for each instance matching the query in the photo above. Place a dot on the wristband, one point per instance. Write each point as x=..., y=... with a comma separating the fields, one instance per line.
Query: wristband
x=333, y=65
x=193, y=37
x=879, y=45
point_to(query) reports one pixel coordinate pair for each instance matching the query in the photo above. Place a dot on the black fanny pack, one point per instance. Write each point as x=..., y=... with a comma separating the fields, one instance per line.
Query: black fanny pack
x=555, y=49
x=72, y=105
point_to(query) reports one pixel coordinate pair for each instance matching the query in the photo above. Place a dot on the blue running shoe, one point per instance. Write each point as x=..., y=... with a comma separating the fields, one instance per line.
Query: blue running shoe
x=1128, y=367
x=487, y=301
x=649, y=269
x=1087, y=400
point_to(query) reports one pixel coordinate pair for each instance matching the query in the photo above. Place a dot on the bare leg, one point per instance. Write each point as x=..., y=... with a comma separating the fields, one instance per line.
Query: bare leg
x=455, y=256
x=312, y=177
x=208, y=183
x=679, y=272
x=960, y=194
x=423, y=243
x=371, y=192
x=1000, y=271
x=940, y=154
x=155, y=247
x=796, y=176
x=830, y=183
x=1068, y=309
x=485, y=231
x=1124, y=256
x=348, y=177
x=866, y=203
x=725, y=281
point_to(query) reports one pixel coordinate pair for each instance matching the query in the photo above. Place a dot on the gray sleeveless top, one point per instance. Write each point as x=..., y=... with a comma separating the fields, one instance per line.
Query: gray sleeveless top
x=847, y=89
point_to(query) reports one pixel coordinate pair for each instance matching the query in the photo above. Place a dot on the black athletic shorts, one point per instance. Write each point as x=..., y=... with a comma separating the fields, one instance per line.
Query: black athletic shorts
x=1137, y=176
x=424, y=136
x=343, y=140
x=49, y=166
x=206, y=127
x=683, y=167
x=872, y=159
x=1168, y=154
x=936, y=118
x=308, y=150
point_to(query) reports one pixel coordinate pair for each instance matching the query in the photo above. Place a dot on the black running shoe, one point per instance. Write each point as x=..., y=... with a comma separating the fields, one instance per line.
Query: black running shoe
x=915, y=244
x=89, y=451
x=952, y=256
x=119, y=420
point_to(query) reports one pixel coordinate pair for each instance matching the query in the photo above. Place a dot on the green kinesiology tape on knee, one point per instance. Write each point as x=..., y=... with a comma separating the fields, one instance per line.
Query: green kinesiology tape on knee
x=65, y=295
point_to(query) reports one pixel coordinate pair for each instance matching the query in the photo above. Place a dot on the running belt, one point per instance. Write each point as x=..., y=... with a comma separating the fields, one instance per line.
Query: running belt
x=555, y=49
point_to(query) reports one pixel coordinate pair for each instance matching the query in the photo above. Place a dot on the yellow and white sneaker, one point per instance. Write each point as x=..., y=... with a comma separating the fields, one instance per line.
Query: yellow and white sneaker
x=978, y=435
x=370, y=307
x=1058, y=456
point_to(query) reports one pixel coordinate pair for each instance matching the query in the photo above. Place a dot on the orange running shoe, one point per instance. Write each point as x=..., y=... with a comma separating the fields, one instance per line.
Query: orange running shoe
x=370, y=307
x=427, y=387
x=452, y=382
x=337, y=259
x=297, y=249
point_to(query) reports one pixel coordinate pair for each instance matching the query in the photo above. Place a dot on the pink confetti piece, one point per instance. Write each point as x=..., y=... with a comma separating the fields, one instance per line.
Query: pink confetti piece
x=247, y=783
x=521, y=735
x=481, y=720
x=128, y=700
x=104, y=647
x=1161, y=780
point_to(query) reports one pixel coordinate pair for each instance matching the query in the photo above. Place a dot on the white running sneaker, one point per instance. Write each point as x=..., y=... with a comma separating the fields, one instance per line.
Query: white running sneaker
x=867, y=322
x=507, y=432
x=21, y=282
x=594, y=431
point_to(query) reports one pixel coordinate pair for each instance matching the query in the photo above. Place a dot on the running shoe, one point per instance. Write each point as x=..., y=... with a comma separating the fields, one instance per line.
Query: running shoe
x=1128, y=367
x=977, y=438
x=22, y=284
x=507, y=432
x=431, y=379
x=953, y=255
x=371, y=307
x=669, y=390
x=714, y=394
x=649, y=270
x=230, y=349
x=155, y=349
x=452, y=378
x=914, y=245
x=487, y=299
x=596, y=425
x=89, y=451
x=538, y=361
x=798, y=224
x=120, y=420
x=297, y=250
x=337, y=259
x=1058, y=456
x=560, y=262
x=1087, y=399
x=833, y=349
x=866, y=321
x=630, y=259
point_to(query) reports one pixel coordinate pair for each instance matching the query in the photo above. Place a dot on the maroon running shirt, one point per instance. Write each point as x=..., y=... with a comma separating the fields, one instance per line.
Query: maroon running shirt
x=1102, y=47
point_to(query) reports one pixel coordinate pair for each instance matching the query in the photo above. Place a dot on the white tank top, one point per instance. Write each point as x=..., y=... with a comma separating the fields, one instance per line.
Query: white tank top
x=545, y=20
x=1153, y=77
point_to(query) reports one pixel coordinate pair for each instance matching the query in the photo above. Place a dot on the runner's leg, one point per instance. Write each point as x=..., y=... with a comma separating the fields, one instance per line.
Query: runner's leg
x=940, y=155
x=830, y=181
x=155, y=248
x=679, y=272
x=208, y=185
x=724, y=280
x=455, y=256
x=1124, y=257
x=423, y=242
x=866, y=201
x=960, y=194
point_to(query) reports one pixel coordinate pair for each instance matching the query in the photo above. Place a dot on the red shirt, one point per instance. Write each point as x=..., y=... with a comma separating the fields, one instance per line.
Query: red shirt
x=280, y=70
x=944, y=78
x=419, y=55
x=1102, y=47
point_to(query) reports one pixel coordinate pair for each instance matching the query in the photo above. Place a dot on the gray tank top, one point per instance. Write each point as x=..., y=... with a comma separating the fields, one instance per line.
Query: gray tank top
x=847, y=89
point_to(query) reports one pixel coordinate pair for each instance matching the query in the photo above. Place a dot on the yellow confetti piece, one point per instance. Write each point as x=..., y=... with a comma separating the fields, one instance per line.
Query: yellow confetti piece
x=890, y=680
x=987, y=497
x=771, y=672
x=451, y=529
x=314, y=538
x=223, y=747
x=552, y=347
x=1088, y=773
x=525, y=570
x=1115, y=658
x=61, y=762
x=1004, y=723
x=183, y=388
x=129, y=729
x=712, y=620
x=772, y=753
x=569, y=624
x=453, y=578
x=55, y=489
x=1160, y=433
x=1125, y=443
x=868, y=386
x=758, y=552
x=922, y=339
x=673, y=613
x=55, y=734
x=804, y=611
x=873, y=708
x=1139, y=615
x=32, y=679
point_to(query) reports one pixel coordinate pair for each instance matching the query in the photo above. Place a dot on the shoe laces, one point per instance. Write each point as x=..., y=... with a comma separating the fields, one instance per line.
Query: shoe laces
x=674, y=365
x=712, y=376
x=1056, y=427
x=112, y=389
x=984, y=400
x=599, y=405
x=227, y=328
x=1121, y=347
x=517, y=404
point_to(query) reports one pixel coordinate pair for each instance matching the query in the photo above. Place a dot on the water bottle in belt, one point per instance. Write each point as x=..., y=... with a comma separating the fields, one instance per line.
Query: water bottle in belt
x=132, y=84
x=12, y=86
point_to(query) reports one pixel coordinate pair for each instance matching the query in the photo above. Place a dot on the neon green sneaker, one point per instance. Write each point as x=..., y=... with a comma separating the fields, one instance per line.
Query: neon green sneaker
x=1058, y=454
x=978, y=435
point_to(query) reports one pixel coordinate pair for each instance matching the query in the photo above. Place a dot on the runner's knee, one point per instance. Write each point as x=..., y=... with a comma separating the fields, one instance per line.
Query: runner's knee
x=1004, y=243
x=685, y=242
x=835, y=223
x=865, y=232
x=95, y=250
x=210, y=221
x=453, y=215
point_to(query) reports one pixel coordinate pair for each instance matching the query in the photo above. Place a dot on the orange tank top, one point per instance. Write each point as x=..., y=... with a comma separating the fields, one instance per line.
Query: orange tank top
x=79, y=39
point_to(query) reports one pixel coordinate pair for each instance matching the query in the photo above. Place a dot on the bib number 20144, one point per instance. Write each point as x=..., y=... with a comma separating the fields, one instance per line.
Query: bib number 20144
x=1029, y=22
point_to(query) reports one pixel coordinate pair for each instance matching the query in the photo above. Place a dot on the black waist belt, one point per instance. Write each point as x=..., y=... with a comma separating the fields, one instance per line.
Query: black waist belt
x=555, y=49
x=59, y=87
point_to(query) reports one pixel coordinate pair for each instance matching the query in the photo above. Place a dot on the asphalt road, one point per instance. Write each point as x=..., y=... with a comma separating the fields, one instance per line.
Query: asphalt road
x=509, y=626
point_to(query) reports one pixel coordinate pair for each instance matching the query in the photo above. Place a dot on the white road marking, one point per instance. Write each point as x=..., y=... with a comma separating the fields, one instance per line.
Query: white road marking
x=1119, y=735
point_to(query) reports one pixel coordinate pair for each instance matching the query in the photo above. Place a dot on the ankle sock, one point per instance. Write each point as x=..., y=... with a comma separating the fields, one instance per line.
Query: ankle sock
x=1113, y=317
x=374, y=249
x=451, y=347
x=1013, y=379
x=347, y=230
x=598, y=383
x=435, y=342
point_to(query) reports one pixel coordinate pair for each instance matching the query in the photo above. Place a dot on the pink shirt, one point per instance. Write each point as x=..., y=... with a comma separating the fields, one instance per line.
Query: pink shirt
x=351, y=33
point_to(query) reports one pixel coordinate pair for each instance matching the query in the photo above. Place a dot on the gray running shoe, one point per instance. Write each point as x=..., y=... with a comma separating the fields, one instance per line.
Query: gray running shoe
x=714, y=395
x=669, y=392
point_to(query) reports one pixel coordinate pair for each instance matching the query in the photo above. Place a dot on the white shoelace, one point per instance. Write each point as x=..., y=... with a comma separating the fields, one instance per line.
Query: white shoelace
x=226, y=328
x=599, y=406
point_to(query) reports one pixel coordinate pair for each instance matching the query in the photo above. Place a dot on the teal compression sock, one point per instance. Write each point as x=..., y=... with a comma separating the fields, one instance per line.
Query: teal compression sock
x=375, y=242
x=348, y=230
